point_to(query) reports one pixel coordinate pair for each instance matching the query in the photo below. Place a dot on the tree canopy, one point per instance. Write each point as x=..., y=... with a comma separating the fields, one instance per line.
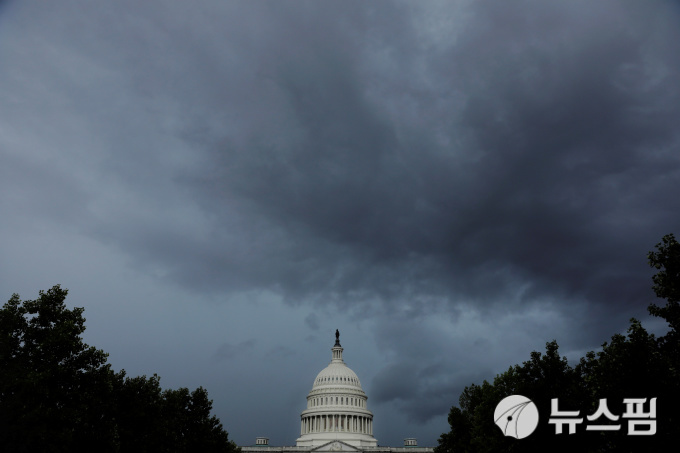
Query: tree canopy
x=636, y=365
x=57, y=394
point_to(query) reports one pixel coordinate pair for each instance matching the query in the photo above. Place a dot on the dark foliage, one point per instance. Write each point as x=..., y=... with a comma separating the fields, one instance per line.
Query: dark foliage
x=637, y=365
x=58, y=394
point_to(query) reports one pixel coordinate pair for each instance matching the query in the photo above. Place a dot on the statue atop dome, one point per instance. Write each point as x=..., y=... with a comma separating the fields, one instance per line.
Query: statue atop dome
x=337, y=337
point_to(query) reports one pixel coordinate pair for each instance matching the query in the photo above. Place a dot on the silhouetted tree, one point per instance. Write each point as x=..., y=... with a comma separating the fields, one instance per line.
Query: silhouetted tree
x=666, y=260
x=636, y=365
x=58, y=394
x=51, y=382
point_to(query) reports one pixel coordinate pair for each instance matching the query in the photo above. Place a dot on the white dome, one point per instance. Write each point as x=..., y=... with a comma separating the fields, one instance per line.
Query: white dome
x=334, y=375
x=336, y=407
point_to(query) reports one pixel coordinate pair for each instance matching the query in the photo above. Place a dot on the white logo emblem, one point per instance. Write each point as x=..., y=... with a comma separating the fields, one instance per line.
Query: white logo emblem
x=516, y=416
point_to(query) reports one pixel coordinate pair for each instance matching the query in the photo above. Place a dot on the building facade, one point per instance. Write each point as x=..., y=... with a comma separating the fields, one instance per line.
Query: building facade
x=336, y=417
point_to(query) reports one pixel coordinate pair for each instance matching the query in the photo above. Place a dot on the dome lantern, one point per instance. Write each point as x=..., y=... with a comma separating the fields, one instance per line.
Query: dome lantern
x=337, y=349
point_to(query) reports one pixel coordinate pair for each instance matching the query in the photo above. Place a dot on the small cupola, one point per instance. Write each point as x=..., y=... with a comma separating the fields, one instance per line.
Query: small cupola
x=337, y=349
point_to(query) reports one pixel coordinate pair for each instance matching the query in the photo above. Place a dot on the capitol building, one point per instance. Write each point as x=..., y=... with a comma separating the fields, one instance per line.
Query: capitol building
x=336, y=417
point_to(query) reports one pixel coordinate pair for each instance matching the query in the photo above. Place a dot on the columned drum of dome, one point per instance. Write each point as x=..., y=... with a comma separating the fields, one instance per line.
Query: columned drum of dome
x=336, y=407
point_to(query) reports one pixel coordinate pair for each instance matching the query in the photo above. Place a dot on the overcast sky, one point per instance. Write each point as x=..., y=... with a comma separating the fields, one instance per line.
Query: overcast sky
x=222, y=184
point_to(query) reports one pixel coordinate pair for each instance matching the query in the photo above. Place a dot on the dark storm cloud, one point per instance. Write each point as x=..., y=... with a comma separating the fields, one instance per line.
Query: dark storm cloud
x=281, y=351
x=229, y=351
x=543, y=155
x=421, y=392
x=354, y=152
x=488, y=157
x=312, y=321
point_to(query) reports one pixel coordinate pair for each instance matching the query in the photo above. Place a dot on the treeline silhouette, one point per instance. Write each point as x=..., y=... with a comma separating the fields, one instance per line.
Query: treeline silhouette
x=636, y=365
x=58, y=394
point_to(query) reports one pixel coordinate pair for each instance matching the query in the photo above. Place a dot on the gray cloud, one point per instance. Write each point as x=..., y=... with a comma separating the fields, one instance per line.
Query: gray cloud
x=229, y=351
x=312, y=321
x=539, y=162
x=281, y=351
x=461, y=181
